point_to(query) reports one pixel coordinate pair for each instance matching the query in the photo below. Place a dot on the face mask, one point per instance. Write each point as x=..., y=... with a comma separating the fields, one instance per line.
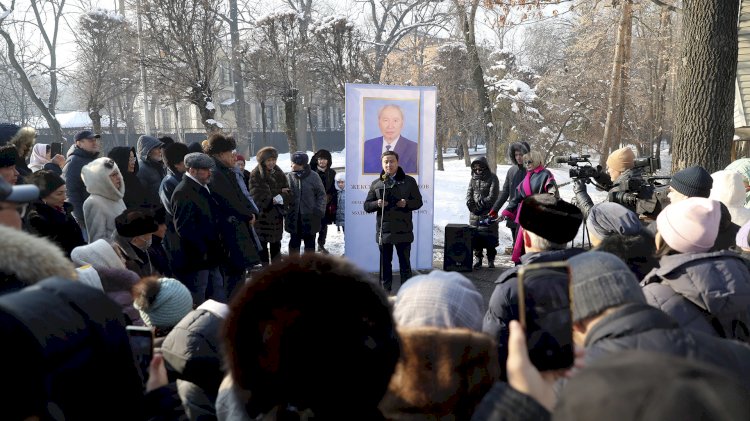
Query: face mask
x=146, y=243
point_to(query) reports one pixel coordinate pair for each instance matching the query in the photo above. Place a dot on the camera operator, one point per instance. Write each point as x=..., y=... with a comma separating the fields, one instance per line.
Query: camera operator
x=620, y=168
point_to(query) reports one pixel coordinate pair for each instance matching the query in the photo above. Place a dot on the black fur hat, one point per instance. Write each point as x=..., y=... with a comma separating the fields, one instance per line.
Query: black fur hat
x=218, y=143
x=550, y=218
x=134, y=222
x=175, y=153
x=322, y=153
x=47, y=181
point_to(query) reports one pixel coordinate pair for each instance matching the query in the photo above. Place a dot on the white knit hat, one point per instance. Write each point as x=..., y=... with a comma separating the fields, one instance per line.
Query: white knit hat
x=691, y=225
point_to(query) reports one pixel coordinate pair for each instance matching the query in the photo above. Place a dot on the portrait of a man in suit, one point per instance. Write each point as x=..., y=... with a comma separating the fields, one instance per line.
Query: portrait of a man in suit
x=390, y=122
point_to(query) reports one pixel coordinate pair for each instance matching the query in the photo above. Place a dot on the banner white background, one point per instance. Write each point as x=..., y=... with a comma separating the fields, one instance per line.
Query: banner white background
x=362, y=102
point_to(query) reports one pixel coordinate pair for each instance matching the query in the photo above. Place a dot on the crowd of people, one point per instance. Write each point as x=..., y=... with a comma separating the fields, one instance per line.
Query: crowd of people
x=164, y=236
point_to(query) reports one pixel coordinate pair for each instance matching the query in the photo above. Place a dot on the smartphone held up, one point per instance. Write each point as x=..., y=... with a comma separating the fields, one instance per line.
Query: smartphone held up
x=142, y=346
x=544, y=304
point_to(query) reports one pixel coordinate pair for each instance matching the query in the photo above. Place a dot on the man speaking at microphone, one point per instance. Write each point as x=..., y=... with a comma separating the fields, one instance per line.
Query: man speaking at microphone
x=393, y=196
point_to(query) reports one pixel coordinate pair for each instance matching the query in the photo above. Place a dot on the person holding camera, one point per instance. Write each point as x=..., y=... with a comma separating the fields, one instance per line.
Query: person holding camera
x=620, y=168
x=538, y=179
x=481, y=195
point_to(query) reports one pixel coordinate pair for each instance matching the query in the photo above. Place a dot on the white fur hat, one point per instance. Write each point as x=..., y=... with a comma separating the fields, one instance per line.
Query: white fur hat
x=98, y=254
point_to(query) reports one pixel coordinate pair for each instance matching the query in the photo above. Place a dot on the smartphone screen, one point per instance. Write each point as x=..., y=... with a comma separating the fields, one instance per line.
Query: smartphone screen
x=545, y=312
x=142, y=346
x=55, y=149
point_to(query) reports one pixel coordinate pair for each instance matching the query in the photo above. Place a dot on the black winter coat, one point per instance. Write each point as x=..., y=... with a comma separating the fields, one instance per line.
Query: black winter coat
x=150, y=172
x=135, y=194
x=76, y=190
x=233, y=215
x=513, y=178
x=307, y=203
x=195, y=214
x=482, y=193
x=645, y=328
x=328, y=177
x=397, y=222
x=59, y=227
x=264, y=186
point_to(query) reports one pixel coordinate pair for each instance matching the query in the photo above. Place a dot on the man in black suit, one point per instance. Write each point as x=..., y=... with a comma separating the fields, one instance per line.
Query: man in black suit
x=195, y=213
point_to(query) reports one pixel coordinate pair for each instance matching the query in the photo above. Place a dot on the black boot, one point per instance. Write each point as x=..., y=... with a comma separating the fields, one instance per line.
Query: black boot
x=478, y=263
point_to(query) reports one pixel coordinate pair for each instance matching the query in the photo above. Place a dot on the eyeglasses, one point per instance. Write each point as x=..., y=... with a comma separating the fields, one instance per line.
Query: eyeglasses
x=18, y=207
x=528, y=161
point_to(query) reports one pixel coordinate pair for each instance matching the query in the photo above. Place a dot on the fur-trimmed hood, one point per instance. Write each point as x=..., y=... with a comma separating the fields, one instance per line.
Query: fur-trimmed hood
x=323, y=153
x=340, y=176
x=517, y=146
x=27, y=259
x=96, y=177
x=442, y=373
x=24, y=138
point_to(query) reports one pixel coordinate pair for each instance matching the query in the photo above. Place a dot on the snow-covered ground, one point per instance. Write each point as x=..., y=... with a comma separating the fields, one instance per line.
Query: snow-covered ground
x=450, y=199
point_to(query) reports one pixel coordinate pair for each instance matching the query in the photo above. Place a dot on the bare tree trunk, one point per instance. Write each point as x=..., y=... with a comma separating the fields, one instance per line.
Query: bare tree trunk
x=290, y=116
x=312, y=129
x=176, y=112
x=113, y=123
x=614, y=119
x=662, y=66
x=704, y=124
x=624, y=77
x=263, y=123
x=477, y=77
x=240, y=106
x=440, y=143
x=96, y=120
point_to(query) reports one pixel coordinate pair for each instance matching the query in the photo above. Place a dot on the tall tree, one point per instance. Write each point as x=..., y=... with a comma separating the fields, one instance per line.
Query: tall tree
x=105, y=57
x=187, y=35
x=704, y=124
x=44, y=22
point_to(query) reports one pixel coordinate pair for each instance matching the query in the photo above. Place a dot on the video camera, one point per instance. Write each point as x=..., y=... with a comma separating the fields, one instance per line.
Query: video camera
x=585, y=171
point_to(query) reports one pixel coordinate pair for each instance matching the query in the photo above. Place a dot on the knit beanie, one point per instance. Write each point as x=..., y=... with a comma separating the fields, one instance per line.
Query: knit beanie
x=7, y=132
x=693, y=181
x=266, y=153
x=98, y=254
x=439, y=299
x=175, y=153
x=239, y=158
x=691, y=225
x=300, y=158
x=600, y=281
x=163, y=303
x=608, y=218
x=621, y=159
x=47, y=181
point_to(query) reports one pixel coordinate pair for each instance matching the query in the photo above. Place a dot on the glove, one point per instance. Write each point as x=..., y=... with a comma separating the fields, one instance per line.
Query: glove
x=492, y=214
x=579, y=185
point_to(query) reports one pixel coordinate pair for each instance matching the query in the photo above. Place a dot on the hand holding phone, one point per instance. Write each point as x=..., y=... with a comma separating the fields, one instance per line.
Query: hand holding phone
x=545, y=313
x=55, y=149
x=142, y=346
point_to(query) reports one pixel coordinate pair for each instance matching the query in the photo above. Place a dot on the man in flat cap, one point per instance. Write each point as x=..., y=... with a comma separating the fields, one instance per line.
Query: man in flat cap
x=194, y=210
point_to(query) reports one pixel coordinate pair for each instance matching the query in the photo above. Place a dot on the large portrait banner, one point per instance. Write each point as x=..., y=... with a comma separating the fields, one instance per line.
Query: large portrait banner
x=381, y=118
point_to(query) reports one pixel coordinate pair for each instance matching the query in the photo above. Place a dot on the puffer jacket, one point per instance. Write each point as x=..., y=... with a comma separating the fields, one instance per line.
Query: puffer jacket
x=442, y=374
x=708, y=292
x=149, y=172
x=264, y=186
x=482, y=193
x=192, y=351
x=397, y=226
x=513, y=177
x=104, y=203
x=307, y=203
x=645, y=328
x=76, y=189
x=328, y=178
x=729, y=189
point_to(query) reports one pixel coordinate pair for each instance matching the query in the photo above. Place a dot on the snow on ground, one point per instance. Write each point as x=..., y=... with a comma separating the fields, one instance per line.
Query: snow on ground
x=450, y=198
